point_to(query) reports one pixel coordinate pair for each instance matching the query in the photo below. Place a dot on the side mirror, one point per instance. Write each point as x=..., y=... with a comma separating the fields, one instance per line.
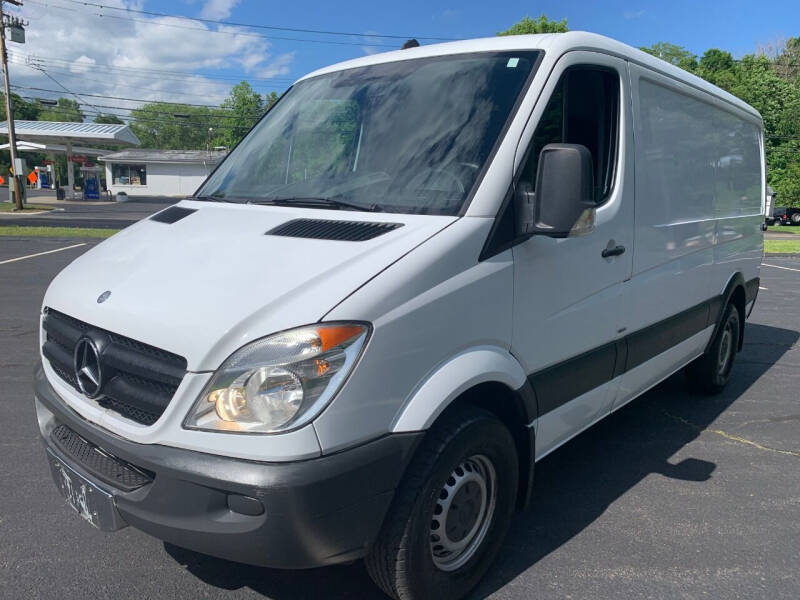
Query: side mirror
x=563, y=204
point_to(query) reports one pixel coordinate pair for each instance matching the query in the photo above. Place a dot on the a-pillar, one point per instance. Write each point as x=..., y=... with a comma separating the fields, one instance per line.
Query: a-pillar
x=70, y=173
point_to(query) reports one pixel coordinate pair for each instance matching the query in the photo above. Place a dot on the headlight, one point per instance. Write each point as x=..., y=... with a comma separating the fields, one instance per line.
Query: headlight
x=279, y=382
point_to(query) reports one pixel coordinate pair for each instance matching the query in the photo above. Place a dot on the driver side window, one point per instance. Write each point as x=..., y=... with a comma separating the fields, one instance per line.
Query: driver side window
x=583, y=109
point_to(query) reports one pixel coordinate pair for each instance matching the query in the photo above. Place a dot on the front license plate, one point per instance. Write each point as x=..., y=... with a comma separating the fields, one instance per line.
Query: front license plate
x=88, y=500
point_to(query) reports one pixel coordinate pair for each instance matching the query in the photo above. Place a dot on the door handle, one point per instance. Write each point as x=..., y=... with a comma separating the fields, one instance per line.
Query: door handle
x=615, y=251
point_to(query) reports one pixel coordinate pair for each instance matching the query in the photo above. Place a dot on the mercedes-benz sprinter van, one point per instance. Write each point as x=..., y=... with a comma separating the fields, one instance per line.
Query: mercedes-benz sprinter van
x=419, y=273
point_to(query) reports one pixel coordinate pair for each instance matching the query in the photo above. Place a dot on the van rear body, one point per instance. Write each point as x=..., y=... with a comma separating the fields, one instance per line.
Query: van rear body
x=421, y=272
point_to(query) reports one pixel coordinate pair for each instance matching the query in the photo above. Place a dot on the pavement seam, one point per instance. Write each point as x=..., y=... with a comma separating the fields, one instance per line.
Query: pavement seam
x=731, y=437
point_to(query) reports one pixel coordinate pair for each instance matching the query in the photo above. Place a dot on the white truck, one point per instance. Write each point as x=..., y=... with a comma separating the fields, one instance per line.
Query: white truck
x=421, y=272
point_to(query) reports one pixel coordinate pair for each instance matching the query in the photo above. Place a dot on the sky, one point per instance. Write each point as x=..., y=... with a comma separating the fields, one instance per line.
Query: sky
x=134, y=57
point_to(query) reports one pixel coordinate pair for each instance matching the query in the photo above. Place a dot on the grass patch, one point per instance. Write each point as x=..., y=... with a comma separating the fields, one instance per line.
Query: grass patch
x=784, y=229
x=9, y=207
x=782, y=246
x=55, y=232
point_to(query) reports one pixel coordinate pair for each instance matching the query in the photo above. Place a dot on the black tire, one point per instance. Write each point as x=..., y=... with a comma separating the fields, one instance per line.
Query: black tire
x=711, y=372
x=402, y=562
x=795, y=218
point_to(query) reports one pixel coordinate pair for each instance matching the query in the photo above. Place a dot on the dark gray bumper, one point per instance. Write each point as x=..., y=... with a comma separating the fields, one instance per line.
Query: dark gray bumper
x=315, y=512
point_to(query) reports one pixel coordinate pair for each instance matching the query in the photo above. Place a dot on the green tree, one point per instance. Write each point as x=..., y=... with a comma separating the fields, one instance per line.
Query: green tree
x=787, y=63
x=270, y=99
x=718, y=67
x=23, y=110
x=787, y=182
x=540, y=25
x=673, y=54
x=237, y=114
x=64, y=110
x=108, y=119
x=170, y=126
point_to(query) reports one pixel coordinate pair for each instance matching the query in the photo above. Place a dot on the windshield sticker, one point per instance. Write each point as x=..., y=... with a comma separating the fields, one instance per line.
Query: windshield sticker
x=512, y=62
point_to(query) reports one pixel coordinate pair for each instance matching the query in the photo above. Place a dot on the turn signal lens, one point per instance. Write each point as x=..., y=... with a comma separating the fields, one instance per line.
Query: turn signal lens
x=335, y=336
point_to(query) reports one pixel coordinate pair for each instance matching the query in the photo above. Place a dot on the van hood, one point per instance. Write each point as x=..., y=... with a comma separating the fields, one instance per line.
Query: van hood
x=209, y=283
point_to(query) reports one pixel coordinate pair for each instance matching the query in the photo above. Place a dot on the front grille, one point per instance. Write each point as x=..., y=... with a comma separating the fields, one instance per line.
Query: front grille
x=138, y=380
x=102, y=465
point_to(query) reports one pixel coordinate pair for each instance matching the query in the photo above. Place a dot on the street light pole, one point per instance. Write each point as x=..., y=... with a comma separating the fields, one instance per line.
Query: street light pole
x=12, y=136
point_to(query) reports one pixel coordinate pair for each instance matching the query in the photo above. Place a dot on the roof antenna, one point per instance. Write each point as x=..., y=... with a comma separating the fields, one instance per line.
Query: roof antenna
x=412, y=43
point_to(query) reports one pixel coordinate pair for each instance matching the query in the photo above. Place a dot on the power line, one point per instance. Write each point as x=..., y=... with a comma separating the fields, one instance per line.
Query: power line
x=121, y=85
x=151, y=70
x=257, y=25
x=144, y=100
x=192, y=121
x=59, y=84
x=201, y=117
x=204, y=30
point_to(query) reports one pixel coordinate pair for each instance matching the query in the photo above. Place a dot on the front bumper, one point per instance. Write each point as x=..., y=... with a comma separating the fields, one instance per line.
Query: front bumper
x=315, y=512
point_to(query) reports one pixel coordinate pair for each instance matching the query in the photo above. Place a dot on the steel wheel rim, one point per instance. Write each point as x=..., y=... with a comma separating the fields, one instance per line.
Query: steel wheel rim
x=463, y=513
x=725, y=346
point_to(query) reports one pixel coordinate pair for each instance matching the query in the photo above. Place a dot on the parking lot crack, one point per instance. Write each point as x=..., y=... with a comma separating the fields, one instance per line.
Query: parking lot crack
x=730, y=436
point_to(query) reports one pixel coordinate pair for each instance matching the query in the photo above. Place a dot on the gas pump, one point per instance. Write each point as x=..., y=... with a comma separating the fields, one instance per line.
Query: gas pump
x=44, y=177
x=91, y=182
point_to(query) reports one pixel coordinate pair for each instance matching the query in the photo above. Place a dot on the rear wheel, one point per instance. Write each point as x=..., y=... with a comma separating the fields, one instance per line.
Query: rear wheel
x=711, y=372
x=451, y=511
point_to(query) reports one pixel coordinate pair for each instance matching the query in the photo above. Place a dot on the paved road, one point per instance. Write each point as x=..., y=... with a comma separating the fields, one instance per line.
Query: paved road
x=106, y=215
x=674, y=496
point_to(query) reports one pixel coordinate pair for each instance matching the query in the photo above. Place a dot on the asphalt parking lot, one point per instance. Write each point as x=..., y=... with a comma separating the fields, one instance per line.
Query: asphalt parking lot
x=109, y=215
x=674, y=496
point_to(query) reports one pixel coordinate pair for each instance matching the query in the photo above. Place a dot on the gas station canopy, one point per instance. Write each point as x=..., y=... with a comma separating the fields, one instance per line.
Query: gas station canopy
x=68, y=133
x=56, y=136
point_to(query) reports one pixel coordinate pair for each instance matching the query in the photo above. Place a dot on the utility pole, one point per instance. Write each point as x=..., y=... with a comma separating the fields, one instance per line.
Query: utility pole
x=12, y=136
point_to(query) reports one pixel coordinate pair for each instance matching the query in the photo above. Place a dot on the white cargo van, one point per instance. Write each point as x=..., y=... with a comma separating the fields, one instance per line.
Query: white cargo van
x=419, y=273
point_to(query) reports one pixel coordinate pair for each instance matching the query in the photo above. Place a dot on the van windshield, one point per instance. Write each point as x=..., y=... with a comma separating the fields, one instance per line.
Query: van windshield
x=410, y=136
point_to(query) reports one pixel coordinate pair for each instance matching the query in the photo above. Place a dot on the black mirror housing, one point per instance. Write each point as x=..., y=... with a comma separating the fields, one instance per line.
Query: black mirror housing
x=564, y=200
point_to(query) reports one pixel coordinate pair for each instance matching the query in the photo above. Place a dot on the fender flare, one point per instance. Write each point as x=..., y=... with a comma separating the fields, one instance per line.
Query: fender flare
x=718, y=307
x=450, y=379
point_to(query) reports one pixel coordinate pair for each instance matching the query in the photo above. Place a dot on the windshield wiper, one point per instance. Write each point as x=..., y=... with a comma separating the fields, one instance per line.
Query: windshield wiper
x=213, y=199
x=317, y=202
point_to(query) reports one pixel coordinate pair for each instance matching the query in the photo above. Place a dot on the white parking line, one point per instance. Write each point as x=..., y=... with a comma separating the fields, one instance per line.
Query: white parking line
x=779, y=267
x=10, y=260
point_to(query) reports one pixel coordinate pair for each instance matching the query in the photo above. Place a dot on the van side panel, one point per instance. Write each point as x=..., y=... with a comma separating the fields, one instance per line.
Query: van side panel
x=699, y=194
x=699, y=201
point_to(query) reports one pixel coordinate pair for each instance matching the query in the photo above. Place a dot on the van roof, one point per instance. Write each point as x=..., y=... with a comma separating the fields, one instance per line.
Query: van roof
x=554, y=44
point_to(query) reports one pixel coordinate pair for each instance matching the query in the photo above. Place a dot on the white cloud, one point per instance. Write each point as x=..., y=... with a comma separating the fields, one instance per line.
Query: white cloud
x=218, y=9
x=133, y=59
x=369, y=38
x=630, y=15
x=82, y=64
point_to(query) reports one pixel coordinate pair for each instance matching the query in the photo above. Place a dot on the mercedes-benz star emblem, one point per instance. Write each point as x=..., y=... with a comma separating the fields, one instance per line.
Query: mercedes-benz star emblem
x=87, y=367
x=103, y=297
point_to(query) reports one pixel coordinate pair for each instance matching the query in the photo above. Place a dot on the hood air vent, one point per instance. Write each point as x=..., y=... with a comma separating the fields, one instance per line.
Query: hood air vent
x=172, y=214
x=343, y=231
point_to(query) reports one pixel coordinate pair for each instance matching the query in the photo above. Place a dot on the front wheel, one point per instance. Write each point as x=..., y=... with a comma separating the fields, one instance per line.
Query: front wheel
x=451, y=511
x=710, y=372
x=796, y=218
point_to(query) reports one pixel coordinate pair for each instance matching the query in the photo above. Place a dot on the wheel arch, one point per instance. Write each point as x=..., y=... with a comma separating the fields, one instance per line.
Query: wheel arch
x=736, y=293
x=489, y=378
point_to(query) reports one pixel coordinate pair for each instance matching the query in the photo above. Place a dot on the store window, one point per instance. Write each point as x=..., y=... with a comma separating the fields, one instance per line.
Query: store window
x=129, y=174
